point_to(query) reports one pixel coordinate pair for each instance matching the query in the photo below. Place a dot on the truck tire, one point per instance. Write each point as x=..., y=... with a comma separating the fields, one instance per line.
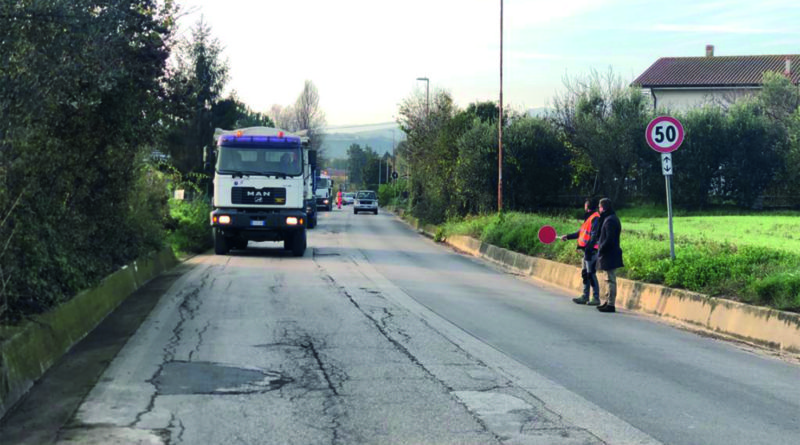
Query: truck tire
x=296, y=242
x=376, y=211
x=240, y=243
x=221, y=245
x=312, y=221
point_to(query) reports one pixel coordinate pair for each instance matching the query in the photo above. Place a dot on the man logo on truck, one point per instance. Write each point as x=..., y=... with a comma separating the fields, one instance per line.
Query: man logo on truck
x=259, y=194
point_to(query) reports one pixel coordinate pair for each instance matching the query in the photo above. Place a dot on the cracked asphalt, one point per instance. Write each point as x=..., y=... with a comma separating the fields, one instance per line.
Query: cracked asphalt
x=379, y=336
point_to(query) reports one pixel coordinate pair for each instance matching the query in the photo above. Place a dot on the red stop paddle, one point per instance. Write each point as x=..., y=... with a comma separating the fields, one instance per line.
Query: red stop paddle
x=547, y=234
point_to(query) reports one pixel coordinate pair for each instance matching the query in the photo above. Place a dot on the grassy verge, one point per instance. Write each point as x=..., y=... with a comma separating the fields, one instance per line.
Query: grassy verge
x=753, y=269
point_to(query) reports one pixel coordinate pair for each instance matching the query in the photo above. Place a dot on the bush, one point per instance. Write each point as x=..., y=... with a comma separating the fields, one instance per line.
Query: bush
x=191, y=230
x=780, y=290
x=387, y=193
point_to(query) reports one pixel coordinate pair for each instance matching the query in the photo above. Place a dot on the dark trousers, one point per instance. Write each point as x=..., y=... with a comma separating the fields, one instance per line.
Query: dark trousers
x=589, y=275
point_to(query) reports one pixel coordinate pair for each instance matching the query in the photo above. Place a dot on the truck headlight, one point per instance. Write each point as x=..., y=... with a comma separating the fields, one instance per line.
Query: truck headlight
x=224, y=219
x=325, y=202
x=291, y=221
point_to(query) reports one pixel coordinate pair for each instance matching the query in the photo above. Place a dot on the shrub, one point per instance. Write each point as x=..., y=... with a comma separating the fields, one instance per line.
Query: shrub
x=191, y=230
x=780, y=290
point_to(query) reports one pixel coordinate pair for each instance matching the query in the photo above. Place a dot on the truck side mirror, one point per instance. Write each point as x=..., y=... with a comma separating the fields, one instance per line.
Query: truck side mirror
x=312, y=159
x=208, y=158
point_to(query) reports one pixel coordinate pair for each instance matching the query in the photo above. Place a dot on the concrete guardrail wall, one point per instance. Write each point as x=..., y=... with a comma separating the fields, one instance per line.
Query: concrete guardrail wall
x=27, y=351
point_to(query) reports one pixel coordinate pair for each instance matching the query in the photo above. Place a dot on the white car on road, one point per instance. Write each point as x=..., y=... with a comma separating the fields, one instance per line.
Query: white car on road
x=366, y=201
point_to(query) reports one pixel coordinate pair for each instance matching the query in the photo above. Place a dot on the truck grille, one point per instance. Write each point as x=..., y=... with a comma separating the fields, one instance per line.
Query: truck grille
x=254, y=196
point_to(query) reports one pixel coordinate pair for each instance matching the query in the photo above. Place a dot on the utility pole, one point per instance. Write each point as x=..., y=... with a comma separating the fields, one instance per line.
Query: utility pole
x=500, y=123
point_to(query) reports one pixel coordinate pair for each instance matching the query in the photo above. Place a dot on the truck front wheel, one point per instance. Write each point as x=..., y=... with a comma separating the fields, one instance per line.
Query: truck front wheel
x=221, y=245
x=296, y=242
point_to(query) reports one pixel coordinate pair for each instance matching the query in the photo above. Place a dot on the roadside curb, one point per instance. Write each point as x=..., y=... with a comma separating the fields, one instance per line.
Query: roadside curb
x=28, y=351
x=762, y=326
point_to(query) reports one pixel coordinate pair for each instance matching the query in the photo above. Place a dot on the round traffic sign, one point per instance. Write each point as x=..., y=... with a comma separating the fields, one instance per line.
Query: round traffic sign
x=547, y=234
x=664, y=134
x=394, y=175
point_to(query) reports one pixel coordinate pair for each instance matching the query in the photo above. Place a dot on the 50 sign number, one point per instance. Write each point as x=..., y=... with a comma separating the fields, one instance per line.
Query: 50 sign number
x=664, y=134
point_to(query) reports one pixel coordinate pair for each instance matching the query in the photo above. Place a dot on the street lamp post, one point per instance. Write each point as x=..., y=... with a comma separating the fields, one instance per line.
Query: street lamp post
x=500, y=123
x=427, y=95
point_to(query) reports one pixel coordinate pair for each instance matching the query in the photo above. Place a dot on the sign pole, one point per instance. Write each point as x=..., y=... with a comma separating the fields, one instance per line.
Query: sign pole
x=665, y=134
x=669, y=215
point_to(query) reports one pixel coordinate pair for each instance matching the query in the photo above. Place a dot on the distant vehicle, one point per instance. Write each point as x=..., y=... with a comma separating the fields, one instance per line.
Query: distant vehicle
x=323, y=192
x=366, y=201
x=348, y=198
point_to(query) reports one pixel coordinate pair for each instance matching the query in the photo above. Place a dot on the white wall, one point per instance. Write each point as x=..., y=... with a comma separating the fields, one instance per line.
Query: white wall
x=685, y=99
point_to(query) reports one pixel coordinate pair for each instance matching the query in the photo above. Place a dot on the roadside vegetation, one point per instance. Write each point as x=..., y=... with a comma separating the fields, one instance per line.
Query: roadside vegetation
x=740, y=269
x=737, y=159
x=92, y=152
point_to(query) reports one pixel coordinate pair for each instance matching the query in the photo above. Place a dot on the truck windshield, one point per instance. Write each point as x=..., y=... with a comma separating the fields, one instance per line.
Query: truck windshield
x=323, y=183
x=260, y=161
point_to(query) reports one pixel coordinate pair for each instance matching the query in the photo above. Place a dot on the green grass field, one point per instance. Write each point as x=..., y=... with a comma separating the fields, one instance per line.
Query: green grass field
x=750, y=258
x=781, y=232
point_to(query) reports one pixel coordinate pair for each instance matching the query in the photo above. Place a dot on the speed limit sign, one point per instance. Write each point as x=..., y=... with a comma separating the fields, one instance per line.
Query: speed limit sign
x=664, y=134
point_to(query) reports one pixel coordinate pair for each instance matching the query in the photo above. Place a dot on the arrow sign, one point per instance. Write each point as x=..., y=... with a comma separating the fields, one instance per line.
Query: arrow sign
x=666, y=164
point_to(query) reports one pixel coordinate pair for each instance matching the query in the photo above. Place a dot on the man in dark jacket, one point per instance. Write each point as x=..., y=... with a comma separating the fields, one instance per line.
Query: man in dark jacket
x=587, y=242
x=609, y=252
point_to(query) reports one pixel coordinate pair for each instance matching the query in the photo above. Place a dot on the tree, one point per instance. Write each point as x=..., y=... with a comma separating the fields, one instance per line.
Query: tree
x=81, y=103
x=309, y=116
x=356, y=160
x=231, y=113
x=754, y=153
x=283, y=117
x=536, y=165
x=476, y=170
x=603, y=121
x=203, y=75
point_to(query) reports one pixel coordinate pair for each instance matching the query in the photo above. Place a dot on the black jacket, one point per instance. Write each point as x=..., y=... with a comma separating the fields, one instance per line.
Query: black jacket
x=609, y=251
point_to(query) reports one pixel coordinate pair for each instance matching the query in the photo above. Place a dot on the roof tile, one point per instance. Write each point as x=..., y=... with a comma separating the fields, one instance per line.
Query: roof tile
x=715, y=71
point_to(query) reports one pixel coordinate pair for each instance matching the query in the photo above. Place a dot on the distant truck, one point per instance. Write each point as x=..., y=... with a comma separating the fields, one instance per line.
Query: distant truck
x=323, y=192
x=263, y=189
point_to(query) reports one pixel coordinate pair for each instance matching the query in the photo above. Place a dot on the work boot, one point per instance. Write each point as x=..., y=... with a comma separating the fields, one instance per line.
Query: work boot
x=580, y=300
x=594, y=302
x=606, y=308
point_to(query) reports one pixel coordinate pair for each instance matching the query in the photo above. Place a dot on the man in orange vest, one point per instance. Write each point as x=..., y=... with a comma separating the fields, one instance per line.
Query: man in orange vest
x=339, y=199
x=587, y=242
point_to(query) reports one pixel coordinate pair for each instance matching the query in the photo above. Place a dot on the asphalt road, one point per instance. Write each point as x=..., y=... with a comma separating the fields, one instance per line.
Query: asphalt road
x=379, y=335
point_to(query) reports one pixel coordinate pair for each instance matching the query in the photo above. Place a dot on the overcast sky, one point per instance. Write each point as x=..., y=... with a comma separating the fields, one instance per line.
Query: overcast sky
x=364, y=55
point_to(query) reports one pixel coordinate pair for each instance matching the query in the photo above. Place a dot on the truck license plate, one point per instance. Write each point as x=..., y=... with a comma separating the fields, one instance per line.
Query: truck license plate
x=257, y=223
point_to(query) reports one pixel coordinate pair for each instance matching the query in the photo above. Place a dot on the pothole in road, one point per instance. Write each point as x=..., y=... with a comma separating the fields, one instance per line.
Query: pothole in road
x=178, y=377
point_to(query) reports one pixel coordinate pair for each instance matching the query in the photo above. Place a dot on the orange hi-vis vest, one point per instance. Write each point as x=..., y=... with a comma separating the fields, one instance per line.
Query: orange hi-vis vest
x=586, y=231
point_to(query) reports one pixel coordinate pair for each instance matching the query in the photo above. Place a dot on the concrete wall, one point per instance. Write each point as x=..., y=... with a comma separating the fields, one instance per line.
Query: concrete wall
x=27, y=351
x=759, y=325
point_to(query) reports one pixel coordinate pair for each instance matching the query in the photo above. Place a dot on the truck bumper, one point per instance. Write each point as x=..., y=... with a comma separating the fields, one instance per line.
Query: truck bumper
x=258, y=225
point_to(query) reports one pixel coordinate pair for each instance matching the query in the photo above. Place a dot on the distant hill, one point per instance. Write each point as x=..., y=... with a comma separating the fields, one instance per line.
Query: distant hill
x=539, y=112
x=378, y=136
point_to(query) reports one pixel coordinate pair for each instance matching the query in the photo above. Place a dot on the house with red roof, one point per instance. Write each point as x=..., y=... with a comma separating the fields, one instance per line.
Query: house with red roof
x=681, y=83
